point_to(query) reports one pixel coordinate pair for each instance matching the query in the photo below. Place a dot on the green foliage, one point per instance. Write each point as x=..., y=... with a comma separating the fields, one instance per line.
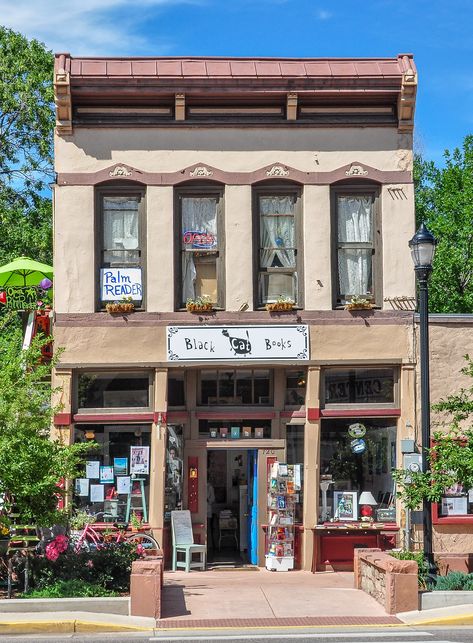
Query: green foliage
x=418, y=556
x=26, y=143
x=69, y=589
x=457, y=581
x=451, y=456
x=444, y=201
x=26, y=116
x=31, y=464
x=109, y=567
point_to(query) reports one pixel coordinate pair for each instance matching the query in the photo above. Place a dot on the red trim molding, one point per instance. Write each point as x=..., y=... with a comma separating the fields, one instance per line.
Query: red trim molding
x=123, y=172
x=235, y=415
x=62, y=419
x=293, y=414
x=177, y=416
x=313, y=414
x=348, y=413
x=104, y=418
x=160, y=417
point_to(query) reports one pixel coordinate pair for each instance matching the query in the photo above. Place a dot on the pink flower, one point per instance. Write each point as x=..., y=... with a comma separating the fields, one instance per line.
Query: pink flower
x=62, y=543
x=52, y=552
x=90, y=563
x=140, y=550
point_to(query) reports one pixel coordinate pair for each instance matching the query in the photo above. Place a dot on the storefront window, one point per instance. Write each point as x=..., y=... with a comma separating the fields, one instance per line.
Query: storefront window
x=295, y=455
x=357, y=455
x=295, y=388
x=359, y=386
x=236, y=387
x=115, y=483
x=113, y=390
x=176, y=389
x=174, y=455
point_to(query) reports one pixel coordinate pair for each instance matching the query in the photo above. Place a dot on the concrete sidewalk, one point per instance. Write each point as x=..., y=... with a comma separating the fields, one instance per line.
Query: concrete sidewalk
x=253, y=598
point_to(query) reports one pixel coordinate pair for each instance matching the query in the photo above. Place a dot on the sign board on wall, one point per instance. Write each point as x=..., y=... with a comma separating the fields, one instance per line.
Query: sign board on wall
x=116, y=283
x=224, y=343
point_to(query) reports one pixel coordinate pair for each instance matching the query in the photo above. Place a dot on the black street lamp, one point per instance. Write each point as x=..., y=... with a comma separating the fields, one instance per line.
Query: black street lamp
x=422, y=247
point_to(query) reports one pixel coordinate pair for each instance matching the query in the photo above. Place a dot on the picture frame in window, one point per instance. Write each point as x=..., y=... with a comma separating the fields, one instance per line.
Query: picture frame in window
x=345, y=505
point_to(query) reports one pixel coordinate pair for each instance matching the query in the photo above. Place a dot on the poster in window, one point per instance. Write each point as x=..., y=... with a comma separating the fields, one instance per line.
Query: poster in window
x=139, y=458
x=455, y=506
x=92, y=469
x=82, y=487
x=123, y=485
x=120, y=466
x=106, y=474
x=97, y=493
x=345, y=505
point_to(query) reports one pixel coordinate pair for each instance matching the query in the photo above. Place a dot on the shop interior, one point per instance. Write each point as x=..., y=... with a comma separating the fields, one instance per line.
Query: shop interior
x=227, y=507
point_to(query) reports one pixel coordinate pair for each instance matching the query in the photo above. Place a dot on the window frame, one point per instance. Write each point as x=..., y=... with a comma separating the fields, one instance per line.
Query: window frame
x=112, y=409
x=119, y=190
x=395, y=404
x=278, y=189
x=204, y=191
x=218, y=369
x=366, y=189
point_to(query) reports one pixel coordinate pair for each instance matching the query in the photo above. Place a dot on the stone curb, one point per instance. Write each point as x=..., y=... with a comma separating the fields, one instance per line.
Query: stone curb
x=65, y=627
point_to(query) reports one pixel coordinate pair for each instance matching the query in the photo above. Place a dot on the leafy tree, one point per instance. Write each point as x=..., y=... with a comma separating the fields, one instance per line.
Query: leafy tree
x=444, y=201
x=451, y=456
x=26, y=143
x=31, y=463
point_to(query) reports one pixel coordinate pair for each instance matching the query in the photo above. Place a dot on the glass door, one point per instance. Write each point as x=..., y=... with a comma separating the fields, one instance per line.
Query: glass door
x=253, y=506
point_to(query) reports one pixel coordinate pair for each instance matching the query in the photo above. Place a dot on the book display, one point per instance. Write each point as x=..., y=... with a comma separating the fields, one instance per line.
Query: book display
x=283, y=494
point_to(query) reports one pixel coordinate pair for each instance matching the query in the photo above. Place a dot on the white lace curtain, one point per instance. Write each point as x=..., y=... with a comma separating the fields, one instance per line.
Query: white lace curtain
x=277, y=241
x=198, y=215
x=120, y=222
x=355, y=220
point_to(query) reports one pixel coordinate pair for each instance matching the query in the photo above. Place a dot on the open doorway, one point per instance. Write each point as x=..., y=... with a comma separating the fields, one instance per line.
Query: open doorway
x=231, y=507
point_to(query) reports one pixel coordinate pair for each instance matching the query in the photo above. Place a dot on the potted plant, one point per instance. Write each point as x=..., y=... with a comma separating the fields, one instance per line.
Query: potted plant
x=359, y=303
x=135, y=521
x=200, y=304
x=125, y=305
x=281, y=303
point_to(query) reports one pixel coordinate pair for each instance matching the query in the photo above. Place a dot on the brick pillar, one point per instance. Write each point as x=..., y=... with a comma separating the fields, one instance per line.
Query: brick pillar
x=146, y=587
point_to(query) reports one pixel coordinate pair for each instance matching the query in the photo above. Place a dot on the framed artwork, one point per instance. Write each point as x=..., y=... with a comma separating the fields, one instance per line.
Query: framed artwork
x=345, y=505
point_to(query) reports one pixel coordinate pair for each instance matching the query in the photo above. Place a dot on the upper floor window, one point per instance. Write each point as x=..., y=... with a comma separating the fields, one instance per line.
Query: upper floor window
x=357, y=245
x=278, y=265
x=121, y=260
x=360, y=386
x=201, y=247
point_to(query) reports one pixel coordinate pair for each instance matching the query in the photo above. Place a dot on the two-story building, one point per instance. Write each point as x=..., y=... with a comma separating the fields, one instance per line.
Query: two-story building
x=246, y=181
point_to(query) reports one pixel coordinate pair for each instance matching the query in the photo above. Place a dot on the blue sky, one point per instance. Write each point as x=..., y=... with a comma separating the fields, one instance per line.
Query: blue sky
x=437, y=32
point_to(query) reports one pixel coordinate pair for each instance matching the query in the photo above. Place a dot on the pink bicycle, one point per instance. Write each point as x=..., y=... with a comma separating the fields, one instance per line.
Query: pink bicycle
x=93, y=537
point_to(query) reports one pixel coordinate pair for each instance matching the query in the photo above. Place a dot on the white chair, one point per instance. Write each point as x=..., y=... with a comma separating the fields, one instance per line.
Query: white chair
x=183, y=542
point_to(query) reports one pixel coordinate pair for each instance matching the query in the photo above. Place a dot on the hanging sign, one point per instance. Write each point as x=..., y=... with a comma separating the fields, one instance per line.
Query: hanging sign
x=116, y=283
x=20, y=297
x=214, y=343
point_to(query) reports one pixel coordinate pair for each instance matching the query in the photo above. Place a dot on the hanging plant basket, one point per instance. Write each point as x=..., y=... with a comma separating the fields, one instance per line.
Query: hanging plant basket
x=118, y=307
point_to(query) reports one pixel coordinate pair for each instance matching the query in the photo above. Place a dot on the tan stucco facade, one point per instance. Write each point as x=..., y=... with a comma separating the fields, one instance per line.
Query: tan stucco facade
x=159, y=160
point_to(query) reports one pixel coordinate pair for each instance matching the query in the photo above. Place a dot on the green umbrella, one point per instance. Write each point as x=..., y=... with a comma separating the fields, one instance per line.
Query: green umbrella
x=24, y=272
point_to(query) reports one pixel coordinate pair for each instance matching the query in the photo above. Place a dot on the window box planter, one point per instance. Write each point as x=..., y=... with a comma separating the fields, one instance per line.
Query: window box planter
x=200, y=308
x=359, y=303
x=119, y=307
x=279, y=306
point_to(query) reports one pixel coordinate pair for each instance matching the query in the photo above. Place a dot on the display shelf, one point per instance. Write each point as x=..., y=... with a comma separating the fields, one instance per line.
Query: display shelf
x=283, y=488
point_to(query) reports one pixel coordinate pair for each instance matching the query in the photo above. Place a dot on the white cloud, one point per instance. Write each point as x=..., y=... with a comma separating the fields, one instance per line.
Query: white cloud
x=323, y=14
x=88, y=27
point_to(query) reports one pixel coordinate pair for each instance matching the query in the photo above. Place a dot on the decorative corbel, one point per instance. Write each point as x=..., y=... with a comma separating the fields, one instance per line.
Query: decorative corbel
x=62, y=99
x=291, y=107
x=407, y=101
x=180, y=107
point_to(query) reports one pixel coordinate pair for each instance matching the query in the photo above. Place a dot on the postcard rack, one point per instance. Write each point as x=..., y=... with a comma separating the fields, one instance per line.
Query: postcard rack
x=281, y=501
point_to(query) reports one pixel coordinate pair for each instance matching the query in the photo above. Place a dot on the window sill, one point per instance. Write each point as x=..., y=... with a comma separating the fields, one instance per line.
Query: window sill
x=465, y=519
